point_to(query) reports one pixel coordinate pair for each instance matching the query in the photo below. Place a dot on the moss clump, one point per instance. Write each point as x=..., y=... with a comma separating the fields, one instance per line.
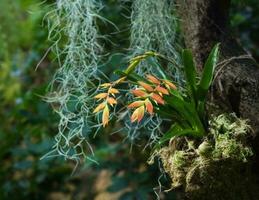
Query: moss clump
x=195, y=166
x=179, y=159
x=205, y=149
x=176, y=164
x=230, y=135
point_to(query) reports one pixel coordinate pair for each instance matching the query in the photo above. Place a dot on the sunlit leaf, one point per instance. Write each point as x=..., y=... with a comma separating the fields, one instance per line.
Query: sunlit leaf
x=208, y=72
x=190, y=72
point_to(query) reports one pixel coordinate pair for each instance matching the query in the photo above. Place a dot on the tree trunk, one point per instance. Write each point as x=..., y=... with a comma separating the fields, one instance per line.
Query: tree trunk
x=235, y=88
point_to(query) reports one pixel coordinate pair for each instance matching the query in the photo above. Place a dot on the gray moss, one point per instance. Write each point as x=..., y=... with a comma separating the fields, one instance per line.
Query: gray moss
x=74, y=33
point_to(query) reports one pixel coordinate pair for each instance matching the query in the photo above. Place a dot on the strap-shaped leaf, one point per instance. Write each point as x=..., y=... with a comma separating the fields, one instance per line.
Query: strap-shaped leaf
x=208, y=72
x=181, y=107
x=190, y=71
x=172, y=114
x=168, y=135
x=175, y=131
x=191, y=110
x=120, y=72
x=136, y=60
x=201, y=110
x=132, y=66
x=165, y=111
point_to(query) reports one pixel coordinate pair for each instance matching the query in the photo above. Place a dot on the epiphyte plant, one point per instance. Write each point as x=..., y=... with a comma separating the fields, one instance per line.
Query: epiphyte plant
x=185, y=107
x=76, y=85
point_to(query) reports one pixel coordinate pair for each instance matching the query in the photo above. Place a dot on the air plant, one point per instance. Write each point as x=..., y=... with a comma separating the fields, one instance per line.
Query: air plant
x=73, y=29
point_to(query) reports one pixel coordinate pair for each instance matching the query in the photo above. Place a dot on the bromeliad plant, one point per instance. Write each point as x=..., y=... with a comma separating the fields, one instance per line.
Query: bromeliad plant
x=185, y=106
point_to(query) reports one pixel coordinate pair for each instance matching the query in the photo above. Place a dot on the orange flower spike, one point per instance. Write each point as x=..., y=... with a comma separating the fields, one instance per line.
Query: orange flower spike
x=136, y=104
x=139, y=93
x=101, y=96
x=99, y=107
x=146, y=86
x=157, y=98
x=111, y=101
x=170, y=84
x=162, y=90
x=105, y=117
x=153, y=79
x=149, y=106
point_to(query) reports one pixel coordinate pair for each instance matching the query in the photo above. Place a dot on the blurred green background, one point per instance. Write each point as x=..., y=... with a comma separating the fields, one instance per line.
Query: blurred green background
x=28, y=124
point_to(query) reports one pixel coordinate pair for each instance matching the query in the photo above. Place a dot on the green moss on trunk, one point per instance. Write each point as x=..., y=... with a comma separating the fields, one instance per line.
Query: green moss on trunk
x=215, y=167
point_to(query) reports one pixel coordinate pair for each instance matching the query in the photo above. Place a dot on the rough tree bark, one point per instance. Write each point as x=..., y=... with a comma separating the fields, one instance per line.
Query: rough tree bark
x=235, y=88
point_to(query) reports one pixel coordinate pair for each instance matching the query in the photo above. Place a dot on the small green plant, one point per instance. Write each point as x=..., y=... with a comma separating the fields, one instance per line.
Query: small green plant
x=188, y=106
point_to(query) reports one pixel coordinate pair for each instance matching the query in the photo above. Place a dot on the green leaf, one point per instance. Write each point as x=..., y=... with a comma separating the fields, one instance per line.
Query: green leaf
x=168, y=135
x=201, y=110
x=179, y=105
x=190, y=72
x=177, y=94
x=132, y=66
x=208, y=72
x=120, y=72
x=187, y=111
x=172, y=114
x=175, y=131
x=165, y=111
x=191, y=110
